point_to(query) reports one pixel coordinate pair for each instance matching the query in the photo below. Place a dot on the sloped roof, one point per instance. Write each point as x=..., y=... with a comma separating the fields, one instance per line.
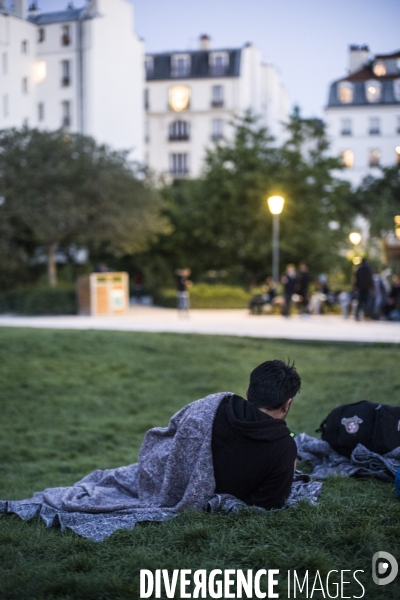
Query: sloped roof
x=199, y=64
x=62, y=16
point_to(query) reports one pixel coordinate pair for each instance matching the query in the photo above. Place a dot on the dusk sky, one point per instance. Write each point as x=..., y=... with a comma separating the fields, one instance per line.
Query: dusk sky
x=307, y=41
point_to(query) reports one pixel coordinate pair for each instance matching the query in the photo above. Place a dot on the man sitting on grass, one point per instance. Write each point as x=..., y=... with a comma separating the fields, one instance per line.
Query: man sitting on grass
x=253, y=451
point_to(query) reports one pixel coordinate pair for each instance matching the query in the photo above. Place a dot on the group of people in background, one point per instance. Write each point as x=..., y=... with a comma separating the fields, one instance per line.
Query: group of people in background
x=373, y=296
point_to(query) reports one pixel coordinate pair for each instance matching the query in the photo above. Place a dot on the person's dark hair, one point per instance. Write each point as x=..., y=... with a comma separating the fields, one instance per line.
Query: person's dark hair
x=272, y=384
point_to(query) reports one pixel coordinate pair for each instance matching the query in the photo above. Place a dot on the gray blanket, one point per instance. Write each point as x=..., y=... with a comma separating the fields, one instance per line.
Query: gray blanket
x=362, y=463
x=174, y=473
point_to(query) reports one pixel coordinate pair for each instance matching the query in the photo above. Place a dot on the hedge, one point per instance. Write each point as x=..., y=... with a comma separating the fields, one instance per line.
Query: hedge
x=39, y=301
x=203, y=295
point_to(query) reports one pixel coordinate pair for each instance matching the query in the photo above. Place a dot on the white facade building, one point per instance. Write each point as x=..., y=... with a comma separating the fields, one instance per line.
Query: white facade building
x=363, y=114
x=81, y=69
x=192, y=96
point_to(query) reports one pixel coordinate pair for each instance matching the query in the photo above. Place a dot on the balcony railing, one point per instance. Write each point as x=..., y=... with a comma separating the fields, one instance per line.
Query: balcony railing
x=218, y=70
x=65, y=39
x=66, y=122
x=374, y=131
x=216, y=137
x=178, y=137
x=217, y=103
x=346, y=132
x=65, y=82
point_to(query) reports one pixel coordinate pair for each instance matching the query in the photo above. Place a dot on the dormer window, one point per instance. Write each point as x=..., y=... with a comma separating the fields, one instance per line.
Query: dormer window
x=345, y=92
x=66, y=35
x=149, y=66
x=379, y=68
x=373, y=90
x=219, y=62
x=180, y=65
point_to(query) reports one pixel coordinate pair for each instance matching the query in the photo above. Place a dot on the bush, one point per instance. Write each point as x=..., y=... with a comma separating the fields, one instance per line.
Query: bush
x=39, y=301
x=204, y=295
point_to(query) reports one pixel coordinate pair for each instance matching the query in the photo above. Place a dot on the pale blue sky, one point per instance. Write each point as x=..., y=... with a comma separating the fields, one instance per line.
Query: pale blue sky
x=306, y=40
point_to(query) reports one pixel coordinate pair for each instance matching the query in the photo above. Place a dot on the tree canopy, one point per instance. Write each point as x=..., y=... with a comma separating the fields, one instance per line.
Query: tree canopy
x=222, y=221
x=59, y=189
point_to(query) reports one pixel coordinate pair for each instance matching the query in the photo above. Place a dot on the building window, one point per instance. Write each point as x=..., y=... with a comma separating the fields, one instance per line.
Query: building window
x=146, y=131
x=149, y=66
x=179, y=97
x=66, y=73
x=346, y=127
x=180, y=64
x=373, y=91
x=345, y=92
x=379, y=68
x=4, y=63
x=347, y=158
x=41, y=34
x=5, y=106
x=396, y=89
x=24, y=46
x=398, y=124
x=146, y=99
x=179, y=164
x=179, y=130
x=217, y=99
x=374, y=158
x=65, y=35
x=219, y=62
x=40, y=112
x=25, y=85
x=374, y=126
x=217, y=129
x=40, y=71
x=66, y=113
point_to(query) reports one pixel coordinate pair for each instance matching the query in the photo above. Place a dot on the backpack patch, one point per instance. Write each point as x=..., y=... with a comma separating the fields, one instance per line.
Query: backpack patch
x=352, y=424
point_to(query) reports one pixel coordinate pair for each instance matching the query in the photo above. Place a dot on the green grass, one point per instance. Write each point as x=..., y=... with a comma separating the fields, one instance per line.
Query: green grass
x=75, y=401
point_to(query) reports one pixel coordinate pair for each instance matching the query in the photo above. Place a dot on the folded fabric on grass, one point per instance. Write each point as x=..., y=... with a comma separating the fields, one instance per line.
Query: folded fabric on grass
x=174, y=473
x=362, y=462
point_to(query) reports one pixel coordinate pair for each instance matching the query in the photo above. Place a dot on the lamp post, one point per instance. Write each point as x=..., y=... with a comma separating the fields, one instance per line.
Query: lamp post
x=275, y=205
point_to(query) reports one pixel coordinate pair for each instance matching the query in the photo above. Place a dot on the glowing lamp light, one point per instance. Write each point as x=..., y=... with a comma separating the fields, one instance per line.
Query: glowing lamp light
x=40, y=71
x=397, y=149
x=397, y=232
x=275, y=204
x=397, y=219
x=355, y=238
x=357, y=260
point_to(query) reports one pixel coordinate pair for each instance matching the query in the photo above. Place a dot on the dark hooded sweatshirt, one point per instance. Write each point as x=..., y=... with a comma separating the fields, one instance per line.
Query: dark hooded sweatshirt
x=253, y=454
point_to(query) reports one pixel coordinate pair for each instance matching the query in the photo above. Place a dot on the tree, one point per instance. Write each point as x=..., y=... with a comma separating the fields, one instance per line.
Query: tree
x=378, y=200
x=222, y=221
x=60, y=189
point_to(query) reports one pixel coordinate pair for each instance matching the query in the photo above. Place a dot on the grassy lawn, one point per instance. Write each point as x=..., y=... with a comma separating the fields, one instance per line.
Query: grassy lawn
x=75, y=401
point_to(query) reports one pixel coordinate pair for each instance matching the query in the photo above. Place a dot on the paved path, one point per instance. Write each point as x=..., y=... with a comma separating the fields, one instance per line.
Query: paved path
x=224, y=322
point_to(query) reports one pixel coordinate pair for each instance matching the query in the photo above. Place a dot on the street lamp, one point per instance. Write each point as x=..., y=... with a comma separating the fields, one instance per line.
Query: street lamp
x=275, y=205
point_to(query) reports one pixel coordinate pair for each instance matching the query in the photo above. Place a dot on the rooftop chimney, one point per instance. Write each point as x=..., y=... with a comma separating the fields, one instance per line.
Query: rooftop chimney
x=358, y=57
x=18, y=8
x=33, y=9
x=205, y=42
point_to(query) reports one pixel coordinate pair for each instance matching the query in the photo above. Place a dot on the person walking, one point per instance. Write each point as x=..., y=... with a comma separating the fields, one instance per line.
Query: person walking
x=364, y=285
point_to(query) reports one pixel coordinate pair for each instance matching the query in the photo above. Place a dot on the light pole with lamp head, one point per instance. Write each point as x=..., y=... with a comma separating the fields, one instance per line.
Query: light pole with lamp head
x=355, y=238
x=275, y=205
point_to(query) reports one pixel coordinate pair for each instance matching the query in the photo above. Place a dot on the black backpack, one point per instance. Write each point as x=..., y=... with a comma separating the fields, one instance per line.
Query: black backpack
x=375, y=426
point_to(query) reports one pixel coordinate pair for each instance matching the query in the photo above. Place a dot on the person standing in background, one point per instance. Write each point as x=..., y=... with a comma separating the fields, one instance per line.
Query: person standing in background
x=364, y=285
x=289, y=287
x=303, y=281
x=182, y=284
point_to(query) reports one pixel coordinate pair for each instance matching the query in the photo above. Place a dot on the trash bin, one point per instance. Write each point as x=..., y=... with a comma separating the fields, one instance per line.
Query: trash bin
x=103, y=294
